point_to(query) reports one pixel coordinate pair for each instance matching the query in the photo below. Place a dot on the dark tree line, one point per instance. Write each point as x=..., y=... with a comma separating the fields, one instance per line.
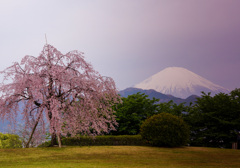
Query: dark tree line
x=213, y=120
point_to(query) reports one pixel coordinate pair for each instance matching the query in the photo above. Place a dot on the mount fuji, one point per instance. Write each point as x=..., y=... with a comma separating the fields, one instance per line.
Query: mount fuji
x=180, y=82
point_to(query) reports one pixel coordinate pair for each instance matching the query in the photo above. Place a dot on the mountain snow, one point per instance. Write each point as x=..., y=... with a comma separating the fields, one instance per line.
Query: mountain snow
x=180, y=82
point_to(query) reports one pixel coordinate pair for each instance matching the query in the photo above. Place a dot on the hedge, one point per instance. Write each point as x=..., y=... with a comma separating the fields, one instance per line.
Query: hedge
x=108, y=140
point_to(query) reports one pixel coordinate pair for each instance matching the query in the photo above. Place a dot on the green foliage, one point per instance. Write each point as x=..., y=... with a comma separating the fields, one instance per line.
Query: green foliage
x=165, y=129
x=172, y=108
x=103, y=140
x=10, y=141
x=215, y=121
x=45, y=144
x=133, y=111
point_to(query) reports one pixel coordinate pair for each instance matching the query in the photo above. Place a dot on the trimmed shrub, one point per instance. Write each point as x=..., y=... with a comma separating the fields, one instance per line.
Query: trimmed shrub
x=165, y=129
x=10, y=141
x=107, y=140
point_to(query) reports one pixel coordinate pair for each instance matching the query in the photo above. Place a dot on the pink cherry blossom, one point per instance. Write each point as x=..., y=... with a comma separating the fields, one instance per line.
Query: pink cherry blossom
x=62, y=90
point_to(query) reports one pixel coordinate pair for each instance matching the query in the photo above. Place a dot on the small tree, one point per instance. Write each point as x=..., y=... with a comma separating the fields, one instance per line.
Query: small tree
x=133, y=111
x=10, y=141
x=46, y=89
x=165, y=129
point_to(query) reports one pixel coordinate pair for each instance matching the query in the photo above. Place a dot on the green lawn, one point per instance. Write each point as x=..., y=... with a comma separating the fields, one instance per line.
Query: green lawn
x=120, y=156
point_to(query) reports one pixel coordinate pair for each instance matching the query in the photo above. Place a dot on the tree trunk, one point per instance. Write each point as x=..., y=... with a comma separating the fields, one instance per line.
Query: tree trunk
x=53, y=139
x=59, y=140
x=30, y=138
x=56, y=140
x=33, y=130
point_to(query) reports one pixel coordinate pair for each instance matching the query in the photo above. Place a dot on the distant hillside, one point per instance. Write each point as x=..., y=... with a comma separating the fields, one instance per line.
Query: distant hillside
x=163, y=97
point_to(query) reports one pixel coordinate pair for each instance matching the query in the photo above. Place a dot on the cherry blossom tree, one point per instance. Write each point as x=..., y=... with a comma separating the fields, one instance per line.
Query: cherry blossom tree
x=61, y=90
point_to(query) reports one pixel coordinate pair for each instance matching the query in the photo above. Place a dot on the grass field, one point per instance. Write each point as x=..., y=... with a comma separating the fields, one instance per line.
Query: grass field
x=120, y=156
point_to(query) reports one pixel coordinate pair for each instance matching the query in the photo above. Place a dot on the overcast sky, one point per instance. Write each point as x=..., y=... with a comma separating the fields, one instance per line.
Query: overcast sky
x=129, y=40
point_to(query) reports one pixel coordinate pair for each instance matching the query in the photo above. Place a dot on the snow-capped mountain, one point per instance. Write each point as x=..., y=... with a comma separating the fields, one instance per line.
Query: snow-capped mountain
x=180, y=82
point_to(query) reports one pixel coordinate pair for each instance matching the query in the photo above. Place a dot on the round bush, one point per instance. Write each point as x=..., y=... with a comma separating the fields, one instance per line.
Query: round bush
x=165, y=129
x=10, y=141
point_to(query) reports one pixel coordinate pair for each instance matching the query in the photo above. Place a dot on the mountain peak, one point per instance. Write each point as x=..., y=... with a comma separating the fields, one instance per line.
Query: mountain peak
x=179, y=82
